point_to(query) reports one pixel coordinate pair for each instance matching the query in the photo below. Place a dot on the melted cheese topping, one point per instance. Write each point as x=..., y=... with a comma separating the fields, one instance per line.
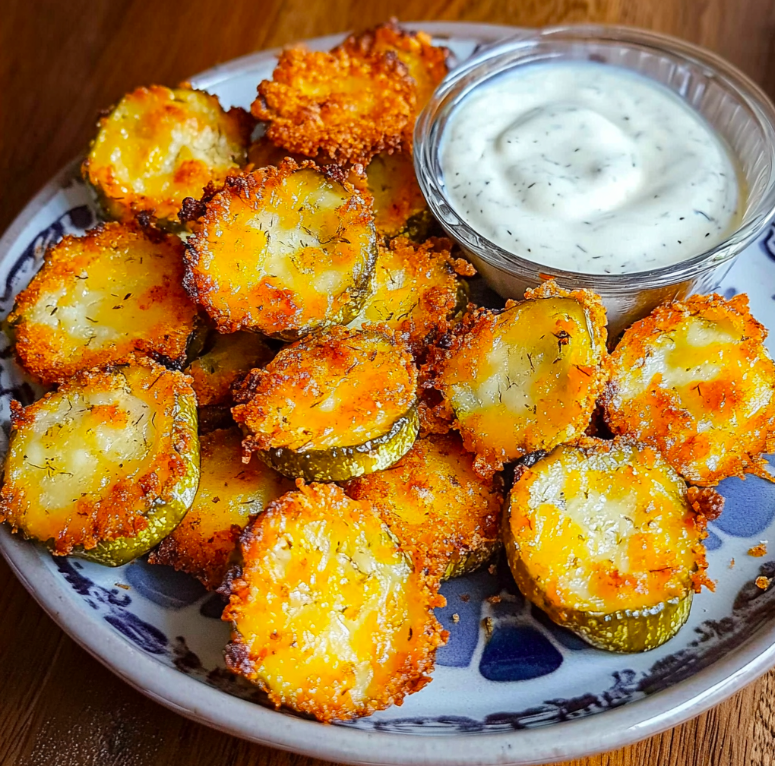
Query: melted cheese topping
x=100, y=298
x=605, y=528
x=329, y=610
x=159, y=146
x=287, y=253
x=697, y=382
x=526, y=381
x=336, y=389
x=96, y=455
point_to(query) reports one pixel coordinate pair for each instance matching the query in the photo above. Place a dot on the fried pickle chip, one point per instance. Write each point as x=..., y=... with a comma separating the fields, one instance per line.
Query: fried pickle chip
x=225, y=360
x=427, y=63
x=282, y=251
x=332, y=406
x=695, y=380
x=327, y=614
x=98, y=298
x=416, y=289
x=399, y=204
x=607, y=539
x=161, y=145
x=106, y=465
x=337, y=106
x=436, y=505
x=229, y=494
x=526, y=379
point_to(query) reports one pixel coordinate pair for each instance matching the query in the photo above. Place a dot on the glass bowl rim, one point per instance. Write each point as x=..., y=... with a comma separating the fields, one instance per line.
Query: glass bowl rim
x=758, y=104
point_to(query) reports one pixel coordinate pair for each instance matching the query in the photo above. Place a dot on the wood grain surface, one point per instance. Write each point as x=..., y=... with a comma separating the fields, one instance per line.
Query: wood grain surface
x=63, y=60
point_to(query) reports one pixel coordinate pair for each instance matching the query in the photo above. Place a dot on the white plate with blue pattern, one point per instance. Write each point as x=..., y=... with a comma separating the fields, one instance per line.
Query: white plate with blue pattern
x=523, y=691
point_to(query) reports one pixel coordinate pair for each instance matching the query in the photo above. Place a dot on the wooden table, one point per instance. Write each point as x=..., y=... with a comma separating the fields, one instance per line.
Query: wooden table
x=63, y=60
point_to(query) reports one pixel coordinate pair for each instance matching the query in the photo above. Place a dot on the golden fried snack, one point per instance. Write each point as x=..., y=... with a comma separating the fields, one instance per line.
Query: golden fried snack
x=695, y=380
x=161, y=145
x=226, y=359
x=229, y=494
x=333, y=406
x=525, y=379
x=426, y=62
x=416, y=289
x=437, y=506
x=105, y=466
x=337, y=106
x=327, y=614
x=399, y=205
x=98, y=298
x=282, y=251
x=606, y=538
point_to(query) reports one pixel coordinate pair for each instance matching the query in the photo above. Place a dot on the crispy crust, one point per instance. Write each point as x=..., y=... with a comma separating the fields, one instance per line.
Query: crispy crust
x=329, y=555
x=121, y=508
x=708, y=428
x=438, y=508
x=562, y=400
x=228, y=359
x=229, y=250
x=337, y=106
x=159, y=145
x=365, y=381
x=100, y=280
x=427, y=63
x=229, y=494
x=654, y=556
x=416, y=290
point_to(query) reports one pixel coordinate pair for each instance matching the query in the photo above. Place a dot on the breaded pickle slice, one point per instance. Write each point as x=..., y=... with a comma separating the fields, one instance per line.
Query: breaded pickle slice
x=694, y=379
x=528, y=378
x=399, y=204
x=229, y=493
x=437, y=506
x=98, y=298
x=427, y=63
x=332, y=406
x=606, y=538
x=416, y=289
x=282, y=251
x=328, y=615
x=337, y=106
x=158, y=146
x=226, y=359
x=105, y=466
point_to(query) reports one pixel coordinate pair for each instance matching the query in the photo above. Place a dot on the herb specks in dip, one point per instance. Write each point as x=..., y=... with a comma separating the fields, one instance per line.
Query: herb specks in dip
x=588, y=168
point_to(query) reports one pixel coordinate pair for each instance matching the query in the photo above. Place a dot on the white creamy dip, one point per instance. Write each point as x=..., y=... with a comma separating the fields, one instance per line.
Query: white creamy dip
x=589, y=168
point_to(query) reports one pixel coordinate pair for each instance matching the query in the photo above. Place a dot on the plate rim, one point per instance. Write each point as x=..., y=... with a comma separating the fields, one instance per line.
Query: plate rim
x=247, y=720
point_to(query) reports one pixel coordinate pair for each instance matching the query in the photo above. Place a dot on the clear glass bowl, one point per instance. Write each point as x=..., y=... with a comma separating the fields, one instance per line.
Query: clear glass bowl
x=738, y=110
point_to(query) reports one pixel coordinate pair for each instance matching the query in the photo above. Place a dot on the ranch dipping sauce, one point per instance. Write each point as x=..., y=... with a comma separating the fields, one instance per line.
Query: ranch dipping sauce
x=588, y=168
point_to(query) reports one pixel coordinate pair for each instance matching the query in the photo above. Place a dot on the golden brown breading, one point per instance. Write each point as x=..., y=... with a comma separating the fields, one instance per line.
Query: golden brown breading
x=695, y=380
x=436, y=505
x=98, y=298
x=399, y=205
x=282, y=251
x=225, y=360
x=229, y=494
x=161, y=145
x=427, y=63
x=337, y=106
x=327, y=614
x=327, y=393
x=90, y=462
x=416, y=290
x=525, y=379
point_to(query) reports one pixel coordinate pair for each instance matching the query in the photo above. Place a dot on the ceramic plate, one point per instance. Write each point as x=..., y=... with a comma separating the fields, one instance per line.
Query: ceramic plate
x=509, y=687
